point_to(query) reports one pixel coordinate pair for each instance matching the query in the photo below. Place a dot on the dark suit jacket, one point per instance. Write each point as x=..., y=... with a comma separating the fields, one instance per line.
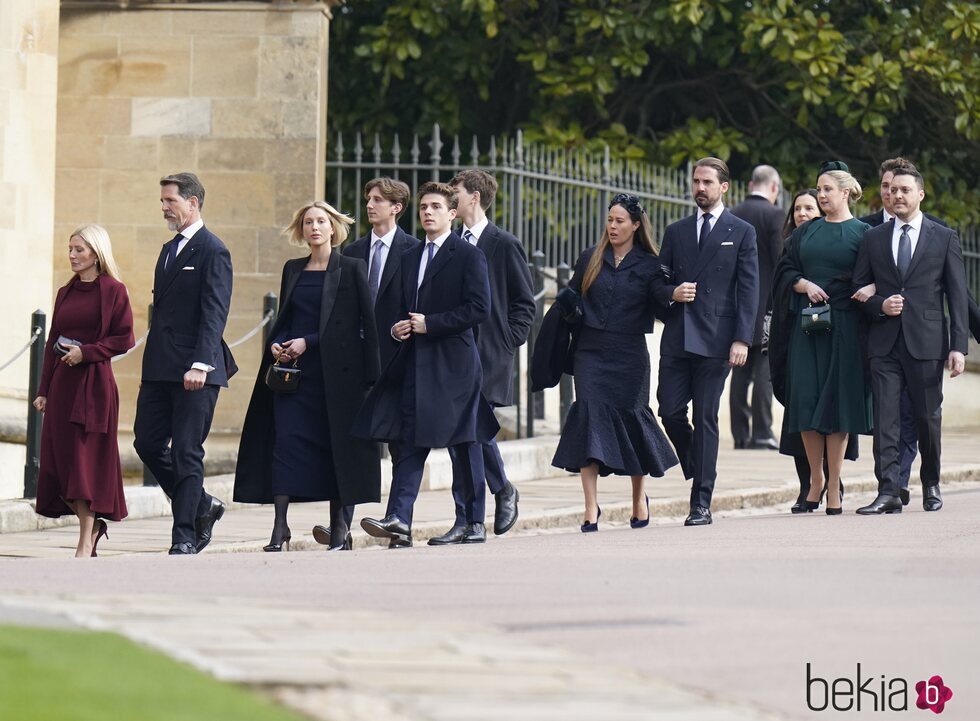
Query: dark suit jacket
x=767, y=220
x=190, y=308
x=727, y=273
x=454, y=298
x=624, y=299
x=387, y=305
x=936, y=274
x=876, y=219
x=349, y=363
x=511, y=312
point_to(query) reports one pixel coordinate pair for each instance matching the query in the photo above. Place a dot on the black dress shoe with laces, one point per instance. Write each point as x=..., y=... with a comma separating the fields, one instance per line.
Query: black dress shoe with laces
x=505, y=514
x=182, y=549
x=932, y=499
x=475, y=533
x=451, y=537
x=884, y=503
x=390, y=527
x=699, y=516
x=399, y=544
x=205, y=523
x=765, y=444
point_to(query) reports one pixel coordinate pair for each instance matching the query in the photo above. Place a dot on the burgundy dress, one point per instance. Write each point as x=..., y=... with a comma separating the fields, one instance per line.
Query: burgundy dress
x=79, y=445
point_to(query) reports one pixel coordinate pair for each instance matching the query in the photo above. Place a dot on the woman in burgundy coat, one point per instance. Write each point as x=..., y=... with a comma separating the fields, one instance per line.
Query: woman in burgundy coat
x=92, y=321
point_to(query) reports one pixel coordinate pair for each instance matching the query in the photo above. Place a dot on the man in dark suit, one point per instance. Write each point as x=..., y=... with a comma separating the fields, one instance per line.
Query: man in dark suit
x=499, y=337
x=916, y=266
x=710, y=287
x=185, y=362
x=429, y=394
x=759, y=211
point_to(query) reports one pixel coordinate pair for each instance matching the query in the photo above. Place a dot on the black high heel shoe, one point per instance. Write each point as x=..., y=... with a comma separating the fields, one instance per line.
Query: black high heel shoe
x=636, y=522
x=283, y=544
x=834, y=511
x=103, y=531
x=592, y=527
x=347, y=545
x=811, y=506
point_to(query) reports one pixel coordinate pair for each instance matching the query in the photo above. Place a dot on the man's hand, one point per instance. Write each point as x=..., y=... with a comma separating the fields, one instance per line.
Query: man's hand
x=893, y=305
x=863, y=294
x=401, y=330
x=738, y=354
x=685, y=292
x=956, y=363
x=418, y=322
x=41, y=402
x=194, y=379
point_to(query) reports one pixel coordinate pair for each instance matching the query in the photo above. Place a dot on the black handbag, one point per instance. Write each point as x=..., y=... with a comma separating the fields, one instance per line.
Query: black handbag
x=815, y=318
x=283, y=379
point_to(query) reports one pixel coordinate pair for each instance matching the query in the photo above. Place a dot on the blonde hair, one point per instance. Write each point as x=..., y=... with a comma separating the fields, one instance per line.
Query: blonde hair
x=642, y=237
x=338, y=222
x=97, y=238
x=846, y=181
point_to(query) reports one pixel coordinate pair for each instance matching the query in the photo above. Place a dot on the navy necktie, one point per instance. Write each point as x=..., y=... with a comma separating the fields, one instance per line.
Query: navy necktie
x=904, y=251
x=172, y=250
x=705, y=229
x=374, y=276
x=469, y=237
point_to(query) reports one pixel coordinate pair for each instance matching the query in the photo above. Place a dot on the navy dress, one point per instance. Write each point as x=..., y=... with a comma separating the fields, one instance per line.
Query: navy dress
x=610, y=423
x=302, y=461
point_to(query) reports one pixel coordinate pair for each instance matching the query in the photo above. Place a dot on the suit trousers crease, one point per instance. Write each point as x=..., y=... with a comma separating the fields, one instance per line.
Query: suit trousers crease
x=923, y=379
x=493, y=469
x=755, y=372
x=168, y=414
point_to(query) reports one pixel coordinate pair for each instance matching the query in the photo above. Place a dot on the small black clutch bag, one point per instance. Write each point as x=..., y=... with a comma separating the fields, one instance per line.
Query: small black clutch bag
x=283, y=379
x=815, y=319
x=63, y=345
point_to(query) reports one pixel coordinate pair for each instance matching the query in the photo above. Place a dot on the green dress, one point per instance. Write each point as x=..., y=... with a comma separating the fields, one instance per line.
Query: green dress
x=825, y=385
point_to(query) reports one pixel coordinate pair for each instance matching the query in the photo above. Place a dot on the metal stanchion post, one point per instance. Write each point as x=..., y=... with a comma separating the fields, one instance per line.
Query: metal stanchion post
x=565, y=387
x=269, y=304
x=33, y=459
x=538, y=319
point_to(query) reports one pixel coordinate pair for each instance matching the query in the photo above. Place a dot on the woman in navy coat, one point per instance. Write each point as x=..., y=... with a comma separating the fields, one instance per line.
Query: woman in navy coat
x=610, y=428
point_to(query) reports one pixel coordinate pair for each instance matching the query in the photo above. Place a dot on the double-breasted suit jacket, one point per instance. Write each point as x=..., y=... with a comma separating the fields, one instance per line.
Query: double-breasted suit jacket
x=726, y=271
x=511, y=312
x=350, y=366
x=388, y=303
x=454, y=297
x=190, y=308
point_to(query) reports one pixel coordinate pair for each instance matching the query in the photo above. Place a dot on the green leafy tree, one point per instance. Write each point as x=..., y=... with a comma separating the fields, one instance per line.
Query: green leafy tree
x=778, y=81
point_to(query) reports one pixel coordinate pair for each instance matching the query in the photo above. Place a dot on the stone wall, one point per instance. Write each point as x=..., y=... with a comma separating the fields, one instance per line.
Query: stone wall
x=28, y=99
x=235, y=93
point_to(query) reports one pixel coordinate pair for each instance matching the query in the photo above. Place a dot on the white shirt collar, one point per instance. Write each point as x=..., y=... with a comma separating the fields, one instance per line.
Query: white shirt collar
x=440, y=240
x=915, y=222
x=478, y=228
x=886, y=216
x=715, y=212
x=191, y=229
x=387, y=238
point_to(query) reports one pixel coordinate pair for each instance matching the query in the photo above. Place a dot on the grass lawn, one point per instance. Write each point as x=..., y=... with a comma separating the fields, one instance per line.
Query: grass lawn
x=48, y=675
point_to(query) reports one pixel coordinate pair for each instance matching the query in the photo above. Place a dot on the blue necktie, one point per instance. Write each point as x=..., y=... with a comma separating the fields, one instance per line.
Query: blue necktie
x=705, y=229
x=172, y=250
x=374, y=275
x=430, y=249
x=469, y=237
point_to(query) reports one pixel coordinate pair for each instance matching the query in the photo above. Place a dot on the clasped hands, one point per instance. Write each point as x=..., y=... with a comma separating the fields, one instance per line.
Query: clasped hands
x=415, y=323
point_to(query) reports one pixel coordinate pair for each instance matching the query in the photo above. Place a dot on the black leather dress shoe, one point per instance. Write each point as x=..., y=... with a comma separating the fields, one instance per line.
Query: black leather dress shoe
x=882, y=504
x=182, y=549
x=205, y=523
x=321, y=534
x=505, y=514
x=699, y=516
x=475, y=533
x=390, y=527
x=765, y=444
x=741, y=445
x=932, y=499
x=451, y=537
x=400, y=544
x=903, y=493
x=799, y=506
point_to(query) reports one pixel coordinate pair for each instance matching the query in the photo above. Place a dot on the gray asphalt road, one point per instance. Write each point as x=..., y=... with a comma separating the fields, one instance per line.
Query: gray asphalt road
x=735, y=610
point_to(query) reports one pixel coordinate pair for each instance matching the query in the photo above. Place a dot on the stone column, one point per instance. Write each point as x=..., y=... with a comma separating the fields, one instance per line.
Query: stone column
x=235, y=92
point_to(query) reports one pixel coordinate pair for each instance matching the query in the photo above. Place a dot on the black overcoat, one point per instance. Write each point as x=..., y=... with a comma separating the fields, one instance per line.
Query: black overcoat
x=350, y=366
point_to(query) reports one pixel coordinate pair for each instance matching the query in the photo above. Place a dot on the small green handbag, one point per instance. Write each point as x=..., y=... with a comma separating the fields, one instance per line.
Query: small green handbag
x=815, y=318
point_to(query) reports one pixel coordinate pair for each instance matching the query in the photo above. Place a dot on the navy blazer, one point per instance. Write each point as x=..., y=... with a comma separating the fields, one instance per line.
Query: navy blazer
x=936, y=274
x=387, y=304
x=726, y=271
x=622, y=299
x=511, y=312
x=454, y=297
x=190, y=309
x=767, y=220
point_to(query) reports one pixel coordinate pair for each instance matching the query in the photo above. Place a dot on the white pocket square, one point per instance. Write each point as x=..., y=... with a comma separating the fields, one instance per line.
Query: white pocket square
x=188, y=267
x=728, y=242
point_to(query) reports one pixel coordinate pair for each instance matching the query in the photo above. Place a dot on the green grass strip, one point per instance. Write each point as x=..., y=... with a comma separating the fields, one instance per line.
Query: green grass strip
x=54, y=675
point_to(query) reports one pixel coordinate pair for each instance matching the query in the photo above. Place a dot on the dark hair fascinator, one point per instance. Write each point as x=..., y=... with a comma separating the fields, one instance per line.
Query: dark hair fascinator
x=630, y=202
x=829, y=165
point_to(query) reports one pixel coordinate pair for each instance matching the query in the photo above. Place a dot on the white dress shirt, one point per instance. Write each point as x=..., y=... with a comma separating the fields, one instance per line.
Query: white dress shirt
x=476, y=230
x=188, y=233
x=915, y=226
x=381, y=254
x=713, y=216
x=425, y=254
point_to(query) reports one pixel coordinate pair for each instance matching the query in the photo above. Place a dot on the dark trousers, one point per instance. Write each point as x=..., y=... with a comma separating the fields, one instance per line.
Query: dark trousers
x=699, y=381
x=170, y=429
x=908, y=445
x=493, y=469
x=923, y=379
x=755, y=372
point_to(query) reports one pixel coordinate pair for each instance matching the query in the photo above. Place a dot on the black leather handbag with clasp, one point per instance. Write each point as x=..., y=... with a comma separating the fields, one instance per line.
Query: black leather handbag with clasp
x=283, y=379
x=815, y=318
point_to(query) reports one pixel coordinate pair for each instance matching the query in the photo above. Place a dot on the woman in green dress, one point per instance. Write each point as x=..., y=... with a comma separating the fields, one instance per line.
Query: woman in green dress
x=827, y=399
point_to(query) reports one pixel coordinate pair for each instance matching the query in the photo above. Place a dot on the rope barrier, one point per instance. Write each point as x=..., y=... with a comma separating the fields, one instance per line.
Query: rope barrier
x=141, y=341
x=256, y=329
x=18, y=354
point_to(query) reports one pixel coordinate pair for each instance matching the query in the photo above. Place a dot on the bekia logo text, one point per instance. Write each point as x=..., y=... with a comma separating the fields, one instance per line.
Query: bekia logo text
x=873, y=693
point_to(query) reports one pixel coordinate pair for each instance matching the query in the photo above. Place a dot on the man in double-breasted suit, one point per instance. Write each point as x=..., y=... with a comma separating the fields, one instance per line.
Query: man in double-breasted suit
x=500, y=335
x=429, y=394
x=185, y=362
x=916, y=266
x=710, y=286
x=759, y=210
